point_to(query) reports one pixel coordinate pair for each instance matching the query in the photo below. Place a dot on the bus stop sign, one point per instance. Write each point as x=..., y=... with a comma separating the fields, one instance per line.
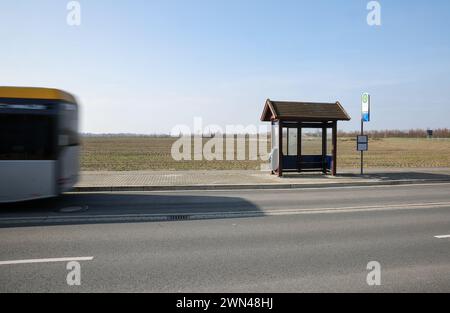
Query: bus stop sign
x=365, y=107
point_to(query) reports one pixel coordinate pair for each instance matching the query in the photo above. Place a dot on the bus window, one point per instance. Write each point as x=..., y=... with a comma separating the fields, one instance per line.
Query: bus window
x=27, y=137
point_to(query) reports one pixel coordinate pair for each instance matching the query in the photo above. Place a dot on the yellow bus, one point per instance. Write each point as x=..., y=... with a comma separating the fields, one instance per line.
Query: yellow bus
x=39, y=143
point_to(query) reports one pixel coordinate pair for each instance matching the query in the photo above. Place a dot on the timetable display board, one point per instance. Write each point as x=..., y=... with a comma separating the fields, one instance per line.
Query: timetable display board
x=362, y=143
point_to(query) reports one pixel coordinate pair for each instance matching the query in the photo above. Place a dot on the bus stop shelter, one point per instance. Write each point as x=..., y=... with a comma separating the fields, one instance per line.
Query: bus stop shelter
x=288, y=119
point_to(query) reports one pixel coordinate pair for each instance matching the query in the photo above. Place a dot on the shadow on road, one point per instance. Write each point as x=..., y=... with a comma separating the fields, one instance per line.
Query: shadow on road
x=411, y=176
x=95, y=208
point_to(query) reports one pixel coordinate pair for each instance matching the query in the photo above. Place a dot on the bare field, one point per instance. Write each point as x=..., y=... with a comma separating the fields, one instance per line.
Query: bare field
x=151, y=153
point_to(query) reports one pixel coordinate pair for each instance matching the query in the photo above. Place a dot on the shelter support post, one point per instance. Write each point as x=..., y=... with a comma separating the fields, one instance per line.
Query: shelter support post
x=334, y=144
x=324, y=149
x=299, y=146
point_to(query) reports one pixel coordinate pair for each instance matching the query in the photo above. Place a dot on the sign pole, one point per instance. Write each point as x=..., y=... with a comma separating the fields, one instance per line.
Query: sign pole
x=362, y=152
x=365, y=117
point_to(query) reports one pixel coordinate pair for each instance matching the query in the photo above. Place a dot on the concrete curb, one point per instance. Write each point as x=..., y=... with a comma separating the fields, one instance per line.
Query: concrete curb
x=253, y=186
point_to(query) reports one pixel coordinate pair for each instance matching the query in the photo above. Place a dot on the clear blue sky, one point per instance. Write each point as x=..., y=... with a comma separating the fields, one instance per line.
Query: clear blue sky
x=145, y=66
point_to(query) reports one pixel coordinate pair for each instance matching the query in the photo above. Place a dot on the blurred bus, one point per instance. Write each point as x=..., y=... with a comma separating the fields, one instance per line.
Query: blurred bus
x=39, y=143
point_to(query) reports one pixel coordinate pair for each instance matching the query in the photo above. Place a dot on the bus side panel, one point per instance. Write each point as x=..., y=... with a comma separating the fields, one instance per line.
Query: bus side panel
x=26, y=180
x=69, y=147
x=69, y=167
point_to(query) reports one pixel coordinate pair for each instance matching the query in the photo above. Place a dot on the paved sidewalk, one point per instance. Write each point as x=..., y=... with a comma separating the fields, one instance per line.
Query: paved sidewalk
x=203, y=180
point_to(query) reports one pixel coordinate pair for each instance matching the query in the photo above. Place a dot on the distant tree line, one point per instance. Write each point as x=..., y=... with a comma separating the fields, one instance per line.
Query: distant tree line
x=395, y=133
x=388, y=133
x=122, y=135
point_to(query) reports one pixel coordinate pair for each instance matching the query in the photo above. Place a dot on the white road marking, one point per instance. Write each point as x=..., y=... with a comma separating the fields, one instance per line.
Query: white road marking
x=442, y=236
x=32, y=261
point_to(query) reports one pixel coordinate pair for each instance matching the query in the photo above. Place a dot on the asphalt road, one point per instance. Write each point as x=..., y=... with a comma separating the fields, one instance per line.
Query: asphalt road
x=315, y=240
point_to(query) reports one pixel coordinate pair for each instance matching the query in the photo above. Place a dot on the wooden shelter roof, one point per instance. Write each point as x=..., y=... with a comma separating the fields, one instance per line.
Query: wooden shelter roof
x=303, y=111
